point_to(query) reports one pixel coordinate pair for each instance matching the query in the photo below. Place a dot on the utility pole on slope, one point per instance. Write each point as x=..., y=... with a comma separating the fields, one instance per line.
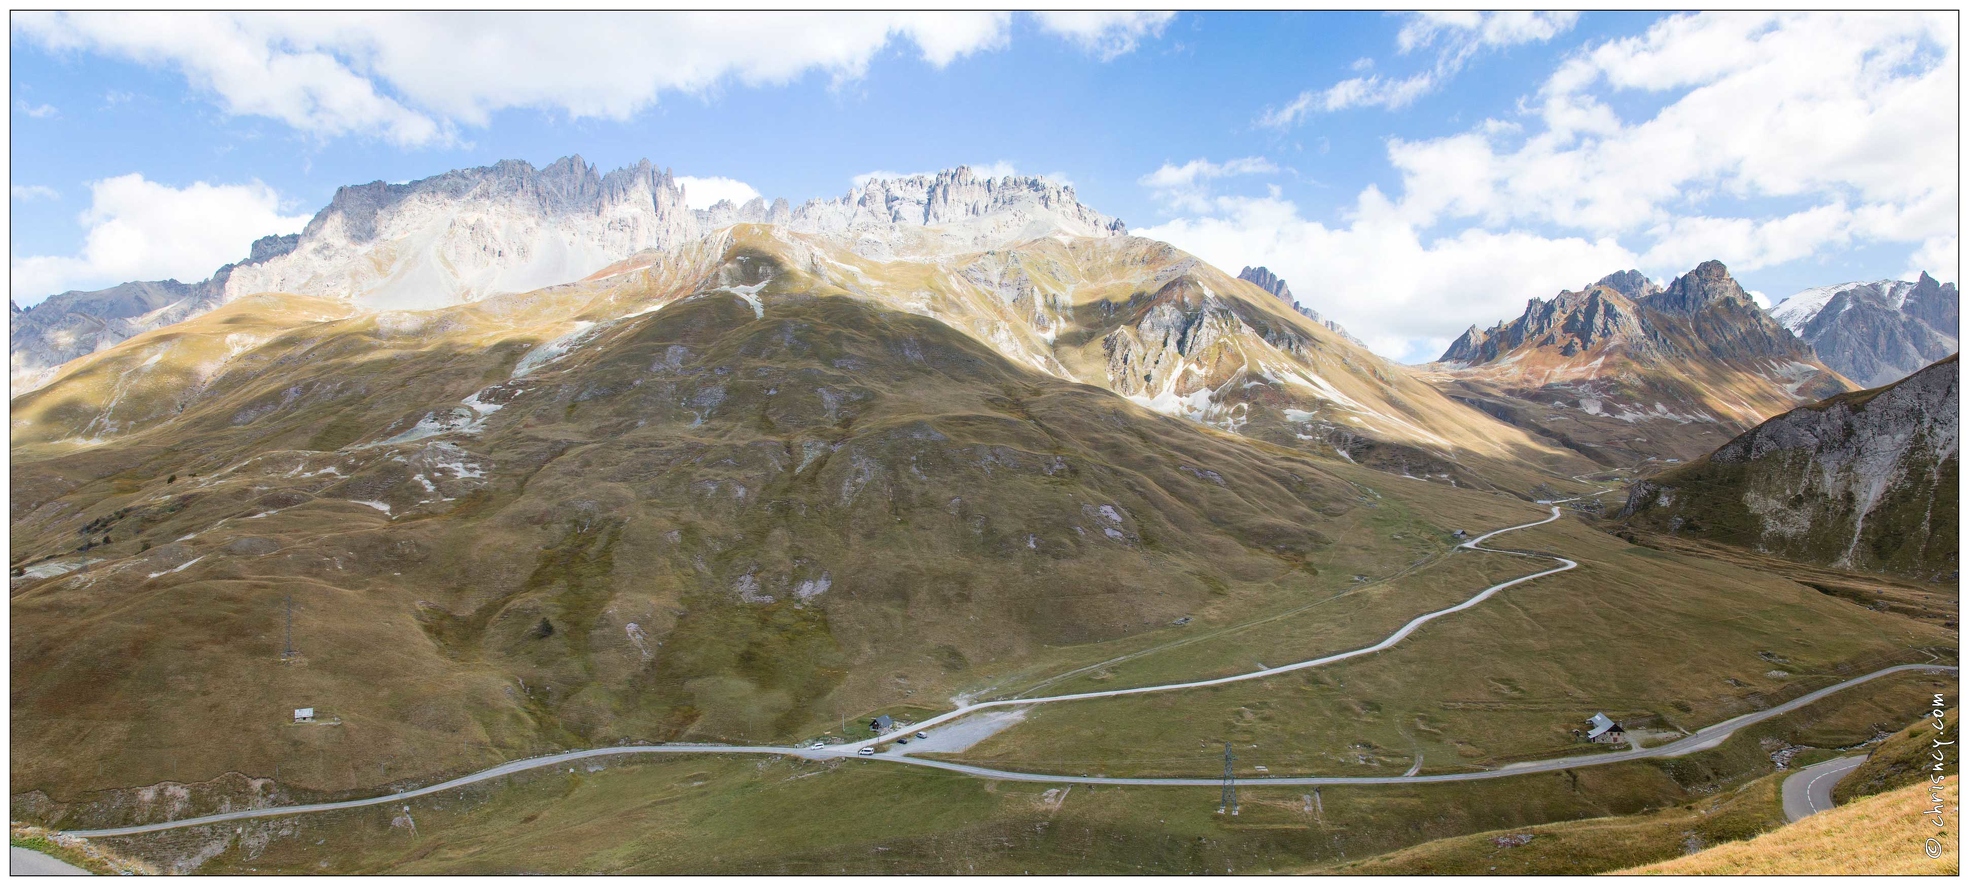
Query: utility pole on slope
x=287, y=641
x=1229, y=802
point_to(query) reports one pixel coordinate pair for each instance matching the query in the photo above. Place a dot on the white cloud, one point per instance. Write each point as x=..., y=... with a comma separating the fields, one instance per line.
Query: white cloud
x=1463, y=32
x=35, y=192
x=38, y=112
x=1458, y=37
x=142, y=230
x=703, y=193
x=1109, y=35
x=1405, y=293
x=1937, y=256
x=1185, y=186
x=333, y=74
x=1750, y=245
x=1853, y=115
x=1771, y=139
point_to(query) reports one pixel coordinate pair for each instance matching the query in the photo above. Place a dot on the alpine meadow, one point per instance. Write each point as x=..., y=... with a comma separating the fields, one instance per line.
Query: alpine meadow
x=1424, y=482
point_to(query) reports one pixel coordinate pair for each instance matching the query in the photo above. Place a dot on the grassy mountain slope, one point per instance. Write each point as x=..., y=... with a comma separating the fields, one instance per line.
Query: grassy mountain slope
x=1864, y=480
x=1905, y=758
x=711, y=496
x=1877, y=836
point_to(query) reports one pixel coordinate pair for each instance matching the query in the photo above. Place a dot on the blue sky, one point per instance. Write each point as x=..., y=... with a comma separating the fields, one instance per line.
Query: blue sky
x=1408, y=175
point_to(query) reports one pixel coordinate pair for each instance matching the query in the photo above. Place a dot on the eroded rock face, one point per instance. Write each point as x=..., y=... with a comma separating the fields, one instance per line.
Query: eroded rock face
x=1263, y=278
x=1572, y=322
x=1879, y=332
x=509, y=227
x=1863, y=481
x=78, y=322
x=1268, y=281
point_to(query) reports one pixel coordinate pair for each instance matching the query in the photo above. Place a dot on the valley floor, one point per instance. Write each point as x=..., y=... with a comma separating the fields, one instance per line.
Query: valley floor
x=1636, y=779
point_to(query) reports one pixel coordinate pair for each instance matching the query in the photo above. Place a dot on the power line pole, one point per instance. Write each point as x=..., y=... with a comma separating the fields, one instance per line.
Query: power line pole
x=287, y=642
x=1229, y=802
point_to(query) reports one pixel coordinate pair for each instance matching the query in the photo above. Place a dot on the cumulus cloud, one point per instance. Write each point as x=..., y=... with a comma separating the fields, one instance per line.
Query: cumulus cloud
x=35, y=192
x=1457, y=36
x=143, y=230
x=38, y=112
x=1769, y=139
x=1853, y=114
x=703, y=193
x=1109, y=35
x=1404, y=292
x=1187, y=186
x=376, y=74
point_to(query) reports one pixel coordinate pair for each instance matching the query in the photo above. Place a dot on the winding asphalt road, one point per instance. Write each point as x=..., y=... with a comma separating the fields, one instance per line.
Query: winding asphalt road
x=1702, y=739
x=1809, y=790
x=29, y=863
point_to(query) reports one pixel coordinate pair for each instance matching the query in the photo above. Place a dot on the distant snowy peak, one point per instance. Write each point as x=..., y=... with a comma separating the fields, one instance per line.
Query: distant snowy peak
x=1875, y=333
x=1801, y=309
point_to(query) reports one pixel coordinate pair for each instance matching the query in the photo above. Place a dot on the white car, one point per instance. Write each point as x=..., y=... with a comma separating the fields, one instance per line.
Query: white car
x=922, y=735
x=866, y=752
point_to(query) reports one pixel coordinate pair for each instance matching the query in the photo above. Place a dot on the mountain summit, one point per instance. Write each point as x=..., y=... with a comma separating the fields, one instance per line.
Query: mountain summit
x=470, y=233
x=1876, y=333
x=1698, y=359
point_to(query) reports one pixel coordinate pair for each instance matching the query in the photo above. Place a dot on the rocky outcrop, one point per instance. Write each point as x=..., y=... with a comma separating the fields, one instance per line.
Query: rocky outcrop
x=66, y=326
x=1263, y=278
x=1571, y=322
x=1630, y=283
x=1876, y=333
x=1865, y=480
x=1626, y=371
x=1702, y=314
x=472, y=233
x=955, y=210
x=1709, y=284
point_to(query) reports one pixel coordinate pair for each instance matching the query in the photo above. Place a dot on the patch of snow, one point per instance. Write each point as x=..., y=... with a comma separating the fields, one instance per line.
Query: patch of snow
x=751, y=296
x=549, y=352
x=813, y=587
x=374, y=504
x=180, y=568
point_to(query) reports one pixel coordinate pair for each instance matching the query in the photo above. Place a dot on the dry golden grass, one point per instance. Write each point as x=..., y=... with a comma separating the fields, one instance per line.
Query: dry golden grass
x=1882, y=834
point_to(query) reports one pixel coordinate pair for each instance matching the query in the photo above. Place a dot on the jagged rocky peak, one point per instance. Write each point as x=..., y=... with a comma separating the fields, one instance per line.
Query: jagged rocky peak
x=1876, y=332
x=954, y=197
x=1708, y=284
x=567, y=186
x=509, y=227
x=1572, y=322
x=272, y=247
x=1633, y=284
x=1264, y=279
